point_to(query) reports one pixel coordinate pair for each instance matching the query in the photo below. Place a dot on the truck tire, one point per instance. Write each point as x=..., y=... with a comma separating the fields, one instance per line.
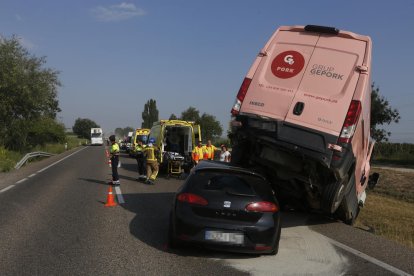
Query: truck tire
x=349, y=208
x=333, y=194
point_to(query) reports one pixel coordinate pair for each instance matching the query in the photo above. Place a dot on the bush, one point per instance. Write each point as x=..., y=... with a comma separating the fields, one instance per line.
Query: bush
x=223, y=141
x=400, y=154
x=23, y=135
x=8, y=159
x=45, y=130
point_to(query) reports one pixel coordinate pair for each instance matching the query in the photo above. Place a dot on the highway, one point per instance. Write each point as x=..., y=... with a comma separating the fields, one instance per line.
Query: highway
x=53, y=222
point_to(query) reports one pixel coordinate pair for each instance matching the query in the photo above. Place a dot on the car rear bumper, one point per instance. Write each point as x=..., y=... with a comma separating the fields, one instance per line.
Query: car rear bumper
x=262, y=237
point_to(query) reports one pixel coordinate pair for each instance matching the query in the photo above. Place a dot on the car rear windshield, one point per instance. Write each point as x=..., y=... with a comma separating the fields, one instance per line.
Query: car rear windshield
x=230, y=182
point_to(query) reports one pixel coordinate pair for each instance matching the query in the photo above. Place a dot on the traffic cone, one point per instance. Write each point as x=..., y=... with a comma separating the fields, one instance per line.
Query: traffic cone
x=110, y=201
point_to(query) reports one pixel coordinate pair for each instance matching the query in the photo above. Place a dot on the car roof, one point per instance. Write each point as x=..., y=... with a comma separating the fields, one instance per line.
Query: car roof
x=224, y=166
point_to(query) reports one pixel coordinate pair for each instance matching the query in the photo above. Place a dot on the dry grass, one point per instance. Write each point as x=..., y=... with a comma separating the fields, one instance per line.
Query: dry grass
x=389, y=208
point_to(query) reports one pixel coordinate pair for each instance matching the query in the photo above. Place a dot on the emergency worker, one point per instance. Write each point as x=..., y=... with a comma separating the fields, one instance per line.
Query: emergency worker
x=209, y=151
x=139, y=155
x=151, y=152
x=114, y=155
x=198, y=153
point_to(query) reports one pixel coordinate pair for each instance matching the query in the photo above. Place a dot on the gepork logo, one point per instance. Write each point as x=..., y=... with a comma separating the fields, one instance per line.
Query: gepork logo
x=287, y=64
x=325, y=71
x=289, y=59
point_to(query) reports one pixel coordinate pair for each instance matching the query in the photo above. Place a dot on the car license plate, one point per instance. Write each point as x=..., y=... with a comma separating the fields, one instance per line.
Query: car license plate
x=234, y=238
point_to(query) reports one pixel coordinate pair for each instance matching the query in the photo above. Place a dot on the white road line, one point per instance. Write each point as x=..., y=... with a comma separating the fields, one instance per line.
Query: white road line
x=119, y=195
x=369, y=258
x=21, y=180
x=33, y=174
x=7, y=188
x=42, y=170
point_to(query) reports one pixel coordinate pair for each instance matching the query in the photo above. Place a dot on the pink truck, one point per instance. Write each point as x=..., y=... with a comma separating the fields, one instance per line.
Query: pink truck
x=302, y=117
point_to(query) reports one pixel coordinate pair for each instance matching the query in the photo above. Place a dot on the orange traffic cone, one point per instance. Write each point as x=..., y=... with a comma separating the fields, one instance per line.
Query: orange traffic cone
x=110, y=201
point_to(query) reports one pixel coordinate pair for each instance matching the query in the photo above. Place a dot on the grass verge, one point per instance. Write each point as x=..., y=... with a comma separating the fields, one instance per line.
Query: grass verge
x=8, y=159
x=389, y=208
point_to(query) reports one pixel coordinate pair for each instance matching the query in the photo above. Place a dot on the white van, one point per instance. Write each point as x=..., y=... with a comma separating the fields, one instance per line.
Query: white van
x=302, y=115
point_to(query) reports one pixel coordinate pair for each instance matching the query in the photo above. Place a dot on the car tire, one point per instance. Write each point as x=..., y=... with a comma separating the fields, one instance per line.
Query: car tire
x=173, y=243
x=333, y=194
x=276, y=246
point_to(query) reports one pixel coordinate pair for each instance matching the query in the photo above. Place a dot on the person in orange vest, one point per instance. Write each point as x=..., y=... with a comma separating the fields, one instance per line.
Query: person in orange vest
x=209, y=151
x=197, y=153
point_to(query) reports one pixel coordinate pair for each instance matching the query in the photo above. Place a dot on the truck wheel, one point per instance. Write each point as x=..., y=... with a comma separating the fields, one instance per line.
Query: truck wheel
x=349, y=208
x=333, y=194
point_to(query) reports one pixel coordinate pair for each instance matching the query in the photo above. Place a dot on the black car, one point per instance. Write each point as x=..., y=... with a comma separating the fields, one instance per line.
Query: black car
x=226, y=208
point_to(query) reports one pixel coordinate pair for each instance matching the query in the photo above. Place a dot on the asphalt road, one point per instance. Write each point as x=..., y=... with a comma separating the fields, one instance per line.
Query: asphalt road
x=53, y=222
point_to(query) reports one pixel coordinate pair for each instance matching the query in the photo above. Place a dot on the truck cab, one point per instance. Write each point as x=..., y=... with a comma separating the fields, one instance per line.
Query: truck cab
x=302, y=116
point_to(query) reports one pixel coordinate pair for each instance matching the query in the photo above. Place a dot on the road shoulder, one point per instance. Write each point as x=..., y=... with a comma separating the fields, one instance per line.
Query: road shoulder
x=9, y=178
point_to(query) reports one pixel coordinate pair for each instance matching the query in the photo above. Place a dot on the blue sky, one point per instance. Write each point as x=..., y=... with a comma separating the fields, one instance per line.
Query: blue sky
x=115, y=55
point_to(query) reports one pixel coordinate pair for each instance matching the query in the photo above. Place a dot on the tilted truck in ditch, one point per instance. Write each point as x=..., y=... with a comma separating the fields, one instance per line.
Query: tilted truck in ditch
x=302, y=117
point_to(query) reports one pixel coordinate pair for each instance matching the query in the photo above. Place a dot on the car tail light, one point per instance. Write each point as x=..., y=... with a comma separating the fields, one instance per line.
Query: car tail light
x=262, y=206
x=260, y=247
x=192, y=199
x=240, y=96
x=352, y=116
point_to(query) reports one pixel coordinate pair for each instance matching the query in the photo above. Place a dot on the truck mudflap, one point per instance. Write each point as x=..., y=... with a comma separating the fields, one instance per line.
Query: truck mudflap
x=342, y=161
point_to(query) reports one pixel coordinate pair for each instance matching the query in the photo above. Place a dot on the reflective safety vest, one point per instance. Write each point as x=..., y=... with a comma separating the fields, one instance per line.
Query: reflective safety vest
x=150, y=153
x=197, y=153
x=114, y=150
x=139, y=150
x=209, y=152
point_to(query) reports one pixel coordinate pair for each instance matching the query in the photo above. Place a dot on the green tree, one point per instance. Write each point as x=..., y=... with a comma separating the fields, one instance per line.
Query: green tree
x=28, y=92
x=173, y=117
x=45, y=130
x=210, y=127
x=82, y=127
x=128, y=130
x=150, y=114
x=191, y=114
x=119, y=132
x=123, y=132
x=381, y=113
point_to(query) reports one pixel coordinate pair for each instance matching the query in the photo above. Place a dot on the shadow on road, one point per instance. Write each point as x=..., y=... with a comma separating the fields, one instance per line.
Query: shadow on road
x=94, y=181
x=298, y=218
x=132, y=167
x=150, y=225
